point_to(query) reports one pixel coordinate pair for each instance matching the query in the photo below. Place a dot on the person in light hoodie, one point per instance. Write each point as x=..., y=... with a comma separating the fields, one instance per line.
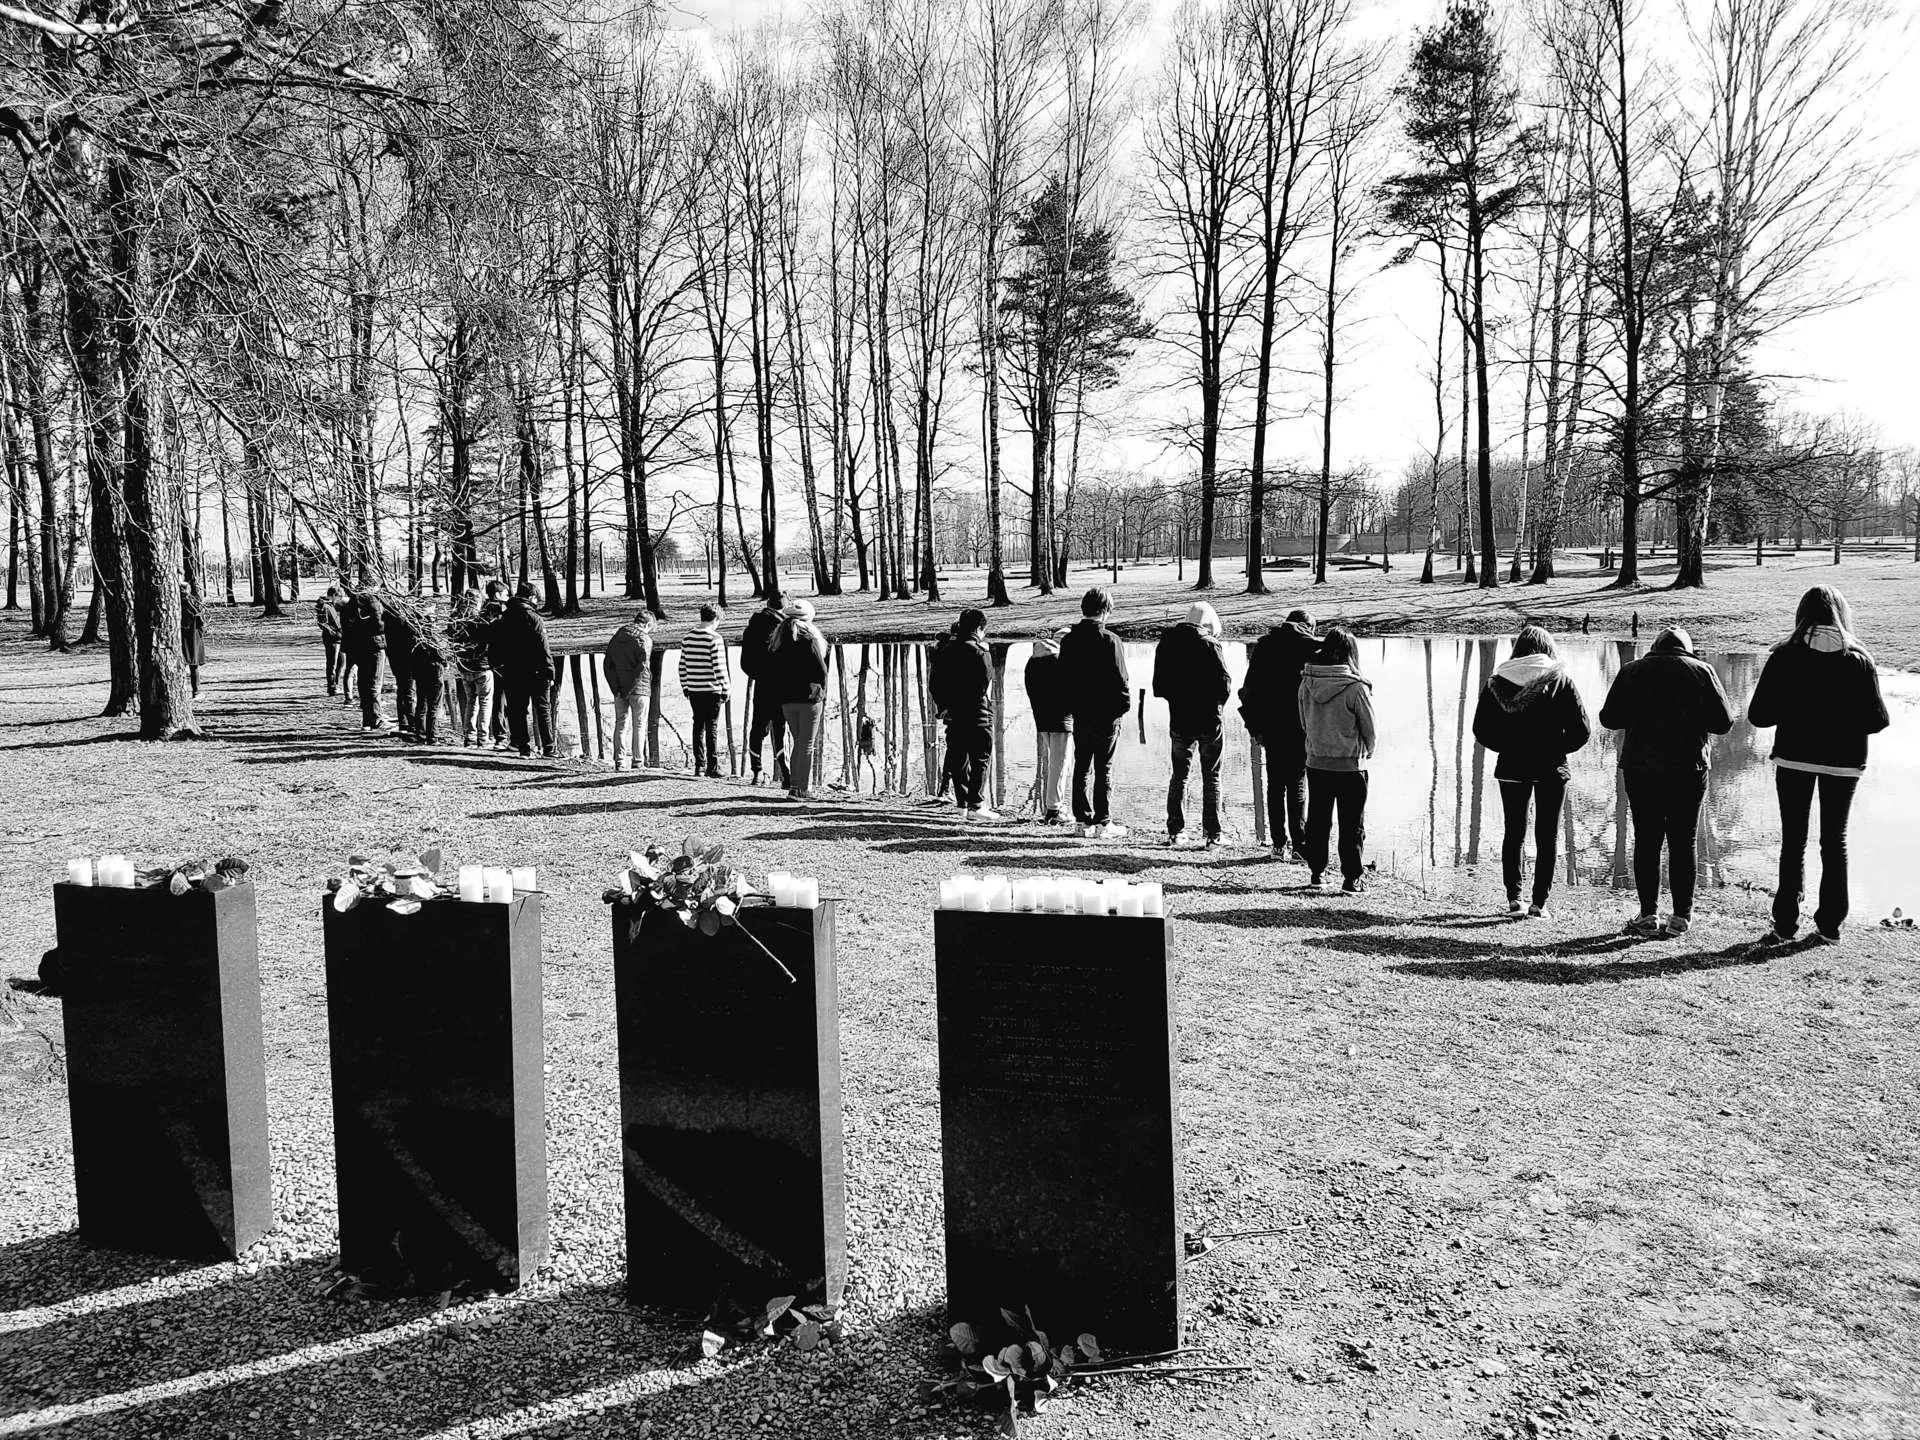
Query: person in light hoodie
x=1336, y=712
x=1531, y=716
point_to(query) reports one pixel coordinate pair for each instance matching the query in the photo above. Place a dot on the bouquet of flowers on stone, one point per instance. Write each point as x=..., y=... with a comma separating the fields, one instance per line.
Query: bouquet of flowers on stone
x=696, y=886
x=221, y=874
x=401, y=884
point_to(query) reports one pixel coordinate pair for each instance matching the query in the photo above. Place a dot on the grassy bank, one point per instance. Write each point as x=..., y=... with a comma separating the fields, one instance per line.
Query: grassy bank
x=1527, y=1174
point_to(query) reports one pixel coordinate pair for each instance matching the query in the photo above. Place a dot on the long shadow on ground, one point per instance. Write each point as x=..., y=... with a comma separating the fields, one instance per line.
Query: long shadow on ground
x=1543, y=964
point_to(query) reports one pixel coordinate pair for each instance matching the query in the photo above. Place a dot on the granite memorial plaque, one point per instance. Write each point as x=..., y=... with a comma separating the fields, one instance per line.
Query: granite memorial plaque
x=730, y=1108
x=1058, y=1124
x=439, y=1093
x=166, y=1078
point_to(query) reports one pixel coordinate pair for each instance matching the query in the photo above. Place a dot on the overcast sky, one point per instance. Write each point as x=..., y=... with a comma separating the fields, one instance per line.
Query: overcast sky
x=1860, y=359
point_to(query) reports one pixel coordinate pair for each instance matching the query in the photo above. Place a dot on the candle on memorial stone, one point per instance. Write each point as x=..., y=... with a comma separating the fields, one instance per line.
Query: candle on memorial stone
x=948, y=895
x=1059, y=895
x=1023, y=895
x=115, y=871
x=1110, y=891
x=1132, y=902
x=805, y=894
x=999, y=892
x=523, y=878
x=80, y=872
x=974, y=894
x=499, y=884
x=473, y=885
x=1153, y=899
x=1092, y=893
x=777, y=883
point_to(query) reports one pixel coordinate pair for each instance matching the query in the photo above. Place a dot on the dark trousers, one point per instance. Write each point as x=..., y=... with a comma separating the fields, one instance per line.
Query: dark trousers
x=1094, y=742
x=1184, y=747
x=1328, y=792
x=1666, y=812
x=768, y=722
x=969, y=748
x=428, y=681
x=1547, y=796
x=526, y=692
x=334, y=662
x=706, y=731
x=366, y=665
x=497, y=723
x=402, y=693
x=1796, y=790
x=1287, y=791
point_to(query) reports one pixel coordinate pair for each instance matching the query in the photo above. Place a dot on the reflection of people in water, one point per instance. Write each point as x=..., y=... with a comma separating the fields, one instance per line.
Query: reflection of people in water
x=1670, y=704
x=1820, y=692
x=1530, y=715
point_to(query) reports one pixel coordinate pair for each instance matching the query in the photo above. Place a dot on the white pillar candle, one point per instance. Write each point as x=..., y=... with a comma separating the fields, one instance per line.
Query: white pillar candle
x=1132, y=902
x=999, y=893
x=80, y=872
x=973, y=895
x=806, y=893
x=1152, y=898
x=499, y=885
x=1110, y=892
x=948, y=896
x=523, y=878
x=777, y=882
x=115, y=871
x=473, y=885
x=1088, y=894
x=1055, y=895
x=1023, y=895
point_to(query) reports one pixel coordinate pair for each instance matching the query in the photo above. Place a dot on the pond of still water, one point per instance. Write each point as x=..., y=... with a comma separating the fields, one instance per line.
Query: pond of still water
x=1433, y=802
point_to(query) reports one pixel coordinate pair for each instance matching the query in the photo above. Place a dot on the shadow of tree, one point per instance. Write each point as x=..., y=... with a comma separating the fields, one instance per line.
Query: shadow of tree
x=1306, y=917
x=1545, y=964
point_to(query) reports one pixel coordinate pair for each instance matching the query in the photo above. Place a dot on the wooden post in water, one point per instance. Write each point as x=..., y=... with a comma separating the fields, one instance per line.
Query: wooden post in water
x=599, y=721
x=580, y=701
x=1259, y=796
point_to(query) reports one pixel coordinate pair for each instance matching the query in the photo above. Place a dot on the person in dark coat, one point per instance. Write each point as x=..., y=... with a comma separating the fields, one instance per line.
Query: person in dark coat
x=1093, y=668
x=471, y=675
x=363, y=635
x=796, y=677
x=1670, y=704
x=1052, y=720
x=1270, y=705
x=963, y=689
x=326, y=614
x=766, y=717
x=517, y=646
x=1820, y=694
x=492, y=607
x=193, y=635
x=1190, y=674
x=1336, y=714
x=1531, y=716
x=628, y=665
x=401, y=638
x=426, y=665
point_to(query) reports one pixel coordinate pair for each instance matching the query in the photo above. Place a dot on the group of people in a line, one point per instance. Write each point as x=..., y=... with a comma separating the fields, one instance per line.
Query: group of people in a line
x=1304, y=702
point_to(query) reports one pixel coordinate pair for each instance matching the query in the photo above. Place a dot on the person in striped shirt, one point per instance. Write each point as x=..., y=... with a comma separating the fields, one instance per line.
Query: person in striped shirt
x=706, y=679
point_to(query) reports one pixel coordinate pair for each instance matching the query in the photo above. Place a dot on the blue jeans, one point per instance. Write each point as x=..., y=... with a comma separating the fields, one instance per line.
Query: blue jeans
x=1209, y=747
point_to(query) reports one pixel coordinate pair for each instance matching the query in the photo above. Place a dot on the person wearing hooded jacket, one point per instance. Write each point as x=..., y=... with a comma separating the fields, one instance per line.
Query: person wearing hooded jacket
x=1052, y=720
x=963, y=690
x=517, y=646
x=1190, y=674
x=1820, y=694
x=1336, y=716
x=363, y=635
x=1670, y=704
x=1093, y=667
x=628, y=666
x=1270, y=705
x=766, y=719
x=1531, y=716
x=796, y=680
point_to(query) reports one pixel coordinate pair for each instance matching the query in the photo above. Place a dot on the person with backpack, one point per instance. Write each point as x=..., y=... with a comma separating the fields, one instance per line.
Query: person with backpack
x=1270, y=706
x=628, y=667
x=1190, y=674
x=1819, y=692
x=363, y=636
x=518, y=649
x=1531, y=716
x=1670, y=704
x=796, y=677
x=326, y=614
x=1052, y=721
x=765, y=718
x=1093, y=669
x=1336, y=716
x=706, y=680
x=963, y=690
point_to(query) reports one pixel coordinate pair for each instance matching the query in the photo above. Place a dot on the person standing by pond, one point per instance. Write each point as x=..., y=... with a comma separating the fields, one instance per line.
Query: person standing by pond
x=326, y=614
x=1336, y=716
x=1190, y=674
x=1047, y=699
x=1093, y=665
x=517, y=645
x=796, y=679
x=1531, y=716
x=1820, y=694
x=765, y=719
x=472, y=676
x=363, y=634
x=963, y=689
x=1670, y=704
x=628, y=666
x=1270, y=705
x=705, y=679
x=193, y=635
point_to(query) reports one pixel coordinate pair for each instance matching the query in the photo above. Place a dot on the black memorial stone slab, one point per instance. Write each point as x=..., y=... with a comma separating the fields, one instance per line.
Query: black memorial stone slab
x=166, y=1079
x=439, y=1093
x=730, y=1107
x=1059, y=1125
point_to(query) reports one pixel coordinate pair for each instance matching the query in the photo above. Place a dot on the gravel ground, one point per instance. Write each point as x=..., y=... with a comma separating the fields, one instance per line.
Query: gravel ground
x=1531, y=1179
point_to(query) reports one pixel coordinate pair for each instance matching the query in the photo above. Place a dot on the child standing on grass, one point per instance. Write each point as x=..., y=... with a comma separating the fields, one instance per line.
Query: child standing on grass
x=1530, y=715
x=705, y=679
x=1820, y=692
x=1047, y=699
x=1336, y=713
